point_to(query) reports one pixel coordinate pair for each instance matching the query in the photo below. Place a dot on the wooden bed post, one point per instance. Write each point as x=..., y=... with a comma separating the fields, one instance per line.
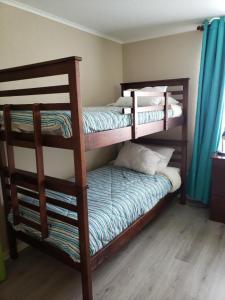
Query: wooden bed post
x=184, y=140
x=40, y=170
x=135, y=115
x=11, y=164
x=80, y=176
x=166, y=95
x=12, y=244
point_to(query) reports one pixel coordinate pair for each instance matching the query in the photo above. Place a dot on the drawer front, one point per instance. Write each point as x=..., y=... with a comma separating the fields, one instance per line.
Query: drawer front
x=218, y=178
x=217, y=208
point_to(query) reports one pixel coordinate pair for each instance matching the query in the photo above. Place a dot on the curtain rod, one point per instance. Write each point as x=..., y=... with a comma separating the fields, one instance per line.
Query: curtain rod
x=200, y=28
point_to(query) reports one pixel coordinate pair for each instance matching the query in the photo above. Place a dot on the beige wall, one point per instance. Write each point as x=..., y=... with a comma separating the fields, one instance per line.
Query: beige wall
x=174, y=56
x=28, y=38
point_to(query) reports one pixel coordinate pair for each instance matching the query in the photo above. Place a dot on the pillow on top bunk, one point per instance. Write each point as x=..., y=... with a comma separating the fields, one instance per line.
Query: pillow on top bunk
x=144, y=101
x=166, y=154
x=161, y=89
x=138, y=158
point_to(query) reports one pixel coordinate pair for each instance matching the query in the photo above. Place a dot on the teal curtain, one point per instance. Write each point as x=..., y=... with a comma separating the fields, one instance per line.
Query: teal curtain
x=209, y=115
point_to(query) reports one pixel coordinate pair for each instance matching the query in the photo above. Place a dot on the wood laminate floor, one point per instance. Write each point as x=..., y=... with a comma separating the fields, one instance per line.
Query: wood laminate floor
x=180, y=256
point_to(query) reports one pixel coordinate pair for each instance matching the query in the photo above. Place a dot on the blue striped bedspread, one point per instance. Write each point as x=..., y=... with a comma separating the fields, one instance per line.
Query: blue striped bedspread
x=116, y=198
x=95, y=119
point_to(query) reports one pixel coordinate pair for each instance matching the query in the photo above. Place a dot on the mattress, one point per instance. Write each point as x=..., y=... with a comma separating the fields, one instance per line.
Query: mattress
x=95, y=119
x=116, y=198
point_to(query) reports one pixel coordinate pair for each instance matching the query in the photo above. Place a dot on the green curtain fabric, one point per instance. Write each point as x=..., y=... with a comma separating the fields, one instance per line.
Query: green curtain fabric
x=209, y=115
x=2, y=266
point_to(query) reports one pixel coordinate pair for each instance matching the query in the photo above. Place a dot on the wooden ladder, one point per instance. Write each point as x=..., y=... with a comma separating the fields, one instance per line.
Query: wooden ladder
x=37, y=145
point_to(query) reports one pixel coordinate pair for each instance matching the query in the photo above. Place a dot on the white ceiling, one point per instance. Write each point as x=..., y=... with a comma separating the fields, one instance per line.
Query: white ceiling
x=126, y=20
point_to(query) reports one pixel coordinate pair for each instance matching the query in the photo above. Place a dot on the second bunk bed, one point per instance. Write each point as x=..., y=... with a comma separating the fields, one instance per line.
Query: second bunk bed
x=81, y=226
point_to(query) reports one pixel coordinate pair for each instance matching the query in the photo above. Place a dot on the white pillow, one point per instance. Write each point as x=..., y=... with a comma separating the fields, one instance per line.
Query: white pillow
x=166, y=154
x=171, y=100
x=124, y=102
x=161, y=89
x=143, y=101
x=127, y=93
x=138, y=158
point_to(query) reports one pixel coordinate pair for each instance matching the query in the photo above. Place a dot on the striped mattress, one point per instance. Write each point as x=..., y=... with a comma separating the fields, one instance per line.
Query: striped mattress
x=95, y=119
x=116, y=198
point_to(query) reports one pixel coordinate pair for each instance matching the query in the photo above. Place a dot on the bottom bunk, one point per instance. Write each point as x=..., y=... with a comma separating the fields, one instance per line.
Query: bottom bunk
x=117, y=198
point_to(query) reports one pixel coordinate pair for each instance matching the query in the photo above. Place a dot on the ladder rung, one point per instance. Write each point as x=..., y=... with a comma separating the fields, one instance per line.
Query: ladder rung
x=23, y=144
x=30, y=223
x=50, y=213
x=49, y=200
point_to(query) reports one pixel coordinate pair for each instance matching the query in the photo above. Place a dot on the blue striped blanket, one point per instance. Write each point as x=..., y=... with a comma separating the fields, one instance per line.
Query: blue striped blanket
x=95, y=119
x=116, y=198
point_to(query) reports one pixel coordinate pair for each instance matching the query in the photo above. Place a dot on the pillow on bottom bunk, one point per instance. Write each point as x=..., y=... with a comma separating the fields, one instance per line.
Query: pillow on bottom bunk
x=139, y=158
x=166, y=154
x=173, y=174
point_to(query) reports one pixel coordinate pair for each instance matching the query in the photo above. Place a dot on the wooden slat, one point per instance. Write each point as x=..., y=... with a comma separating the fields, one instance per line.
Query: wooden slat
x=62, y=204
x=30, y=223
x=64, y=219
x=43, y=106
x=177, y=92
x=40, y=170
x=153, y=127
x=23, y=144
x=166, y=107
x=129, y=110
x=49, y=68
x=29, y=180
x=36, y=91
x=135, y=116
x=174, y=122
x=162, y=142
x=11, y=163
x=175, y=160
x=50, y=213
x=49, y=200
x=177, y=152
x=106, y=138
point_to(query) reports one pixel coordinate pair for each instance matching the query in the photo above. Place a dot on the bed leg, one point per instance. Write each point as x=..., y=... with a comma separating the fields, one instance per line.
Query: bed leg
x=86, y=279
x=183, y=196
x=13, y=253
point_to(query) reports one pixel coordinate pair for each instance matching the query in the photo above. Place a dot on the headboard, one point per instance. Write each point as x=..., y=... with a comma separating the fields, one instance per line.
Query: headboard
x=179, y=89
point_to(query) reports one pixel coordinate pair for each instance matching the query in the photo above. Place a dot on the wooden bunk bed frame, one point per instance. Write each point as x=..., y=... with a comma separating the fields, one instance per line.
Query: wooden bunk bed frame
x=16, y=181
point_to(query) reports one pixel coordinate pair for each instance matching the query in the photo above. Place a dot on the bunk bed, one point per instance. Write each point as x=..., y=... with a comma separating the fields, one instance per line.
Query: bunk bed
x=36, y=185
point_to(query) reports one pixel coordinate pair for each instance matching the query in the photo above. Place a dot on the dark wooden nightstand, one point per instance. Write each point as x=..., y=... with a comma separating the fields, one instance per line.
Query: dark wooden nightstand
x=217, y=204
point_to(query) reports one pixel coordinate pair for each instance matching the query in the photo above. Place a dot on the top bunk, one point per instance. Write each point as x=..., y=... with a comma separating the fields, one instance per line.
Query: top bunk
x=61, y=123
